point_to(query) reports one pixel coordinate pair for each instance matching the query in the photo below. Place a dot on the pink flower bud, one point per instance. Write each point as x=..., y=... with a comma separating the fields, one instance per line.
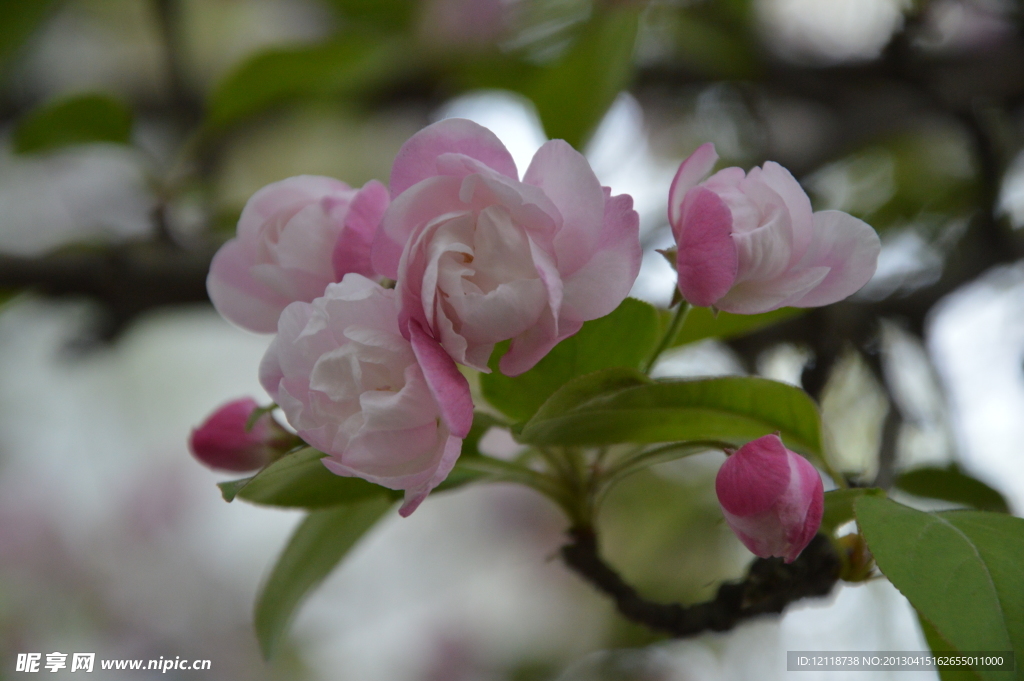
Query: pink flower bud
x=771, y=497
x=223, y=441
x=749, y=242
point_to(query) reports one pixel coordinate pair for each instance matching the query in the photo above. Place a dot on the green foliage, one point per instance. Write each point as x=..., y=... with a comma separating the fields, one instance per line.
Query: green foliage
x=839, y=506
x=703, y=323
x=623, y=338
x=347, y=65
x=937, y=645
x=79, y=119
x=714, y=39
x=391, y=15
x=299, y=480
x=961, y=570
x=952, y=484
x=573, y=94
x=925, y=177
x=316, y=547
x=18, y=20
x=730, y=409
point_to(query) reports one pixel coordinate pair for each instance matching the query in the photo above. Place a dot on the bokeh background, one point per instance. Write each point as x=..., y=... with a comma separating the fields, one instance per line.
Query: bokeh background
x=907, y=113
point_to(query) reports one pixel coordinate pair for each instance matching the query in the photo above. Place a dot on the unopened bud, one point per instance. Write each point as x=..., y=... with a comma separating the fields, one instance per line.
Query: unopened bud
x=771, y=497
x=225, y=442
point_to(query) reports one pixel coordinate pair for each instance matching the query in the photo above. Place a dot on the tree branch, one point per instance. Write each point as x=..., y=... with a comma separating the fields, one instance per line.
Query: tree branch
x=770, y=585
x=125, y=280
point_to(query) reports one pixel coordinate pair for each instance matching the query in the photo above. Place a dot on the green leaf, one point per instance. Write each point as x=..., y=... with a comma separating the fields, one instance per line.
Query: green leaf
x=961, y=570
x=623, y=338
x=585, y=388
x=939, y=645
x=299, y=480
x=317, y=545
x=839, y=506
x=731, y=409
x=19, y=19
x=951, y=484
x=341, y=67
x=80, y=119
x=702, y=323
x=573, y=94
x=230, y=488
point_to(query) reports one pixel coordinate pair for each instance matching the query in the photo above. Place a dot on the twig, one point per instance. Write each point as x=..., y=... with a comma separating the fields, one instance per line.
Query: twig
x=770, y=585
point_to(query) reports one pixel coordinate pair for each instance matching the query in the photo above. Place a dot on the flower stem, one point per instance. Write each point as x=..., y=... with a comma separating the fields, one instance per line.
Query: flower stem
x=670, y=334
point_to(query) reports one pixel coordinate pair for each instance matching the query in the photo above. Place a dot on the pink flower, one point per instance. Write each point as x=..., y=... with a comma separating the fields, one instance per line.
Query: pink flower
x=294, y=238
x=481, y=257
x=749, y=243
x=386, y=409
x=771, y=497
x=223, y=441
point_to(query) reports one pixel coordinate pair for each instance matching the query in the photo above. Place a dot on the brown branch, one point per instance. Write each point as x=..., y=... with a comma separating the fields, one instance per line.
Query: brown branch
x=770, y=585
x=125, y=280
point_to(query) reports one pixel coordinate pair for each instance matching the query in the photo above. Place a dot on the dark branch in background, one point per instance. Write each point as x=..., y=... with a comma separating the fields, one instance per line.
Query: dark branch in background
x=770, y=585
x=125, y=280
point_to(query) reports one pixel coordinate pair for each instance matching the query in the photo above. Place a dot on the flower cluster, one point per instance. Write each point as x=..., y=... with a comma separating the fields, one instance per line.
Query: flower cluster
x=370, y=374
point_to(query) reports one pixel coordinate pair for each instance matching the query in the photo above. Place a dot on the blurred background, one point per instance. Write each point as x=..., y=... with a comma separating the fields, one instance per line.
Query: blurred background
x=131, y=134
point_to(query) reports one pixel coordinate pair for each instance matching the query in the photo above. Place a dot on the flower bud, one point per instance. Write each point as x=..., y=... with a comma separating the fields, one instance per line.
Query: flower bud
x=771, y=497
x=223, y=441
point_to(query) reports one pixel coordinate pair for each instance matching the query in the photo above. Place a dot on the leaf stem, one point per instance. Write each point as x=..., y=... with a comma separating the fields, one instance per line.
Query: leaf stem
x=511, y=472
x=670, y=334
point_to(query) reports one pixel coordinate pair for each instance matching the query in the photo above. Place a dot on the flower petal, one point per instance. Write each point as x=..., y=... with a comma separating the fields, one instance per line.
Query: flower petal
x=598, y=287
x=417, y=159
x=755, y=297
x=352, y=250
x=754, y=477
x=566, y=178
x=279, y=197
x=796, y=200
x=846, y=245
x=414, y=497
x=691, y=171
x=408, y=213
x=237, y=296
x=707, y=259
x=449, y=387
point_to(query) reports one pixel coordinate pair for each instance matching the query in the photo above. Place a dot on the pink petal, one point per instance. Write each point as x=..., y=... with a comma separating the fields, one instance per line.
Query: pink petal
x=598, y=287
x=529, y=347
x=448, y=385
x=352, y=251
x=237, y=296
x=417, y=159
x=278, y=196
x=753, y=478
x=566, y=178
x=755, y=297
x=796, y=200
x=406, y=214
x=414, y=497
x=691, y=171
x=707, y=260
x=813, y=492
x=849, y=247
